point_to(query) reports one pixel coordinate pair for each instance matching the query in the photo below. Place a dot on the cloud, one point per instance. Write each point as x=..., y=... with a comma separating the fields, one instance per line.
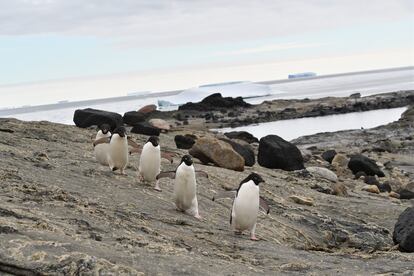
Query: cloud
x=140, y=23
x=267, y=48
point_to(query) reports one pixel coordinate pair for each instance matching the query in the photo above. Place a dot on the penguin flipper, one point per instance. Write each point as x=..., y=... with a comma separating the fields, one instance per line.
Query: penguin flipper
x=225, y=194
x=101, y=141
x=170, y=174
x=263, y=205
x=201, y=174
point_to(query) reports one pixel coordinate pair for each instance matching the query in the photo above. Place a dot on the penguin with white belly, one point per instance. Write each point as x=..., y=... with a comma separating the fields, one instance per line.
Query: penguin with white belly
x=185, y=186
x=117, y=149
x=101, y=150
x=104, y=131
x=246, y=205
x=150, y=161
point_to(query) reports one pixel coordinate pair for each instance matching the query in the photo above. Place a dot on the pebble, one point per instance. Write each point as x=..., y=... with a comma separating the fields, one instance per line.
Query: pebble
x=302, y=200
x=371, y=188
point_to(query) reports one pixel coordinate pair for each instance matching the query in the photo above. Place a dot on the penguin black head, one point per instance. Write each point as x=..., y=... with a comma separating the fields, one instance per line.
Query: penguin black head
x=187, y=160
x=155, y=141
x=254, y=177
x=121, y=131
x=105, y=128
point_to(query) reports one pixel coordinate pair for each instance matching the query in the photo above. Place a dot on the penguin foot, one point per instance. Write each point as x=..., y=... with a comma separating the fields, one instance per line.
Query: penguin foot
x=198, y=217
x=253, y=238
x=158, y=189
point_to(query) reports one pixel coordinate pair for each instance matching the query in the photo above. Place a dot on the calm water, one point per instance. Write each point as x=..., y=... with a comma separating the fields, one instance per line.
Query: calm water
x=291, y=129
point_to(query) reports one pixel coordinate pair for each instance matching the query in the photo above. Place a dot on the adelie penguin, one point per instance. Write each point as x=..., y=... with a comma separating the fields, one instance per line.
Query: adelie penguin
x=150, y=161
x=117, y=149
x=101, y=150
x=104, y=131
x=185, y=186
x=246, y=205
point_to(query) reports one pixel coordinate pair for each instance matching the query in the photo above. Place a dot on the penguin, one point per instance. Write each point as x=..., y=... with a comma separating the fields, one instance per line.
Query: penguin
x=185, y=186
x=104, y=131
x=117, y=151
x=246, y=205
x=101, y=150
x=150, y=161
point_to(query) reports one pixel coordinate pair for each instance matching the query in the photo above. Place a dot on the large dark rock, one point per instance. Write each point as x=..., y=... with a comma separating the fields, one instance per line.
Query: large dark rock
x=276, y=153
x=406, y=194
x=246, y=151
x=329, y=155
x=404, y=231
x=215, y=102
x=361, y=163
x=94, y=117
x=146, y=129
x=184, y=141
x=133, y=117
x=242, y=135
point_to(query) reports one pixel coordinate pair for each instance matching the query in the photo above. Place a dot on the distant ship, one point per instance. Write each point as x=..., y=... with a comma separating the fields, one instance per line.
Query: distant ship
x=302, y=75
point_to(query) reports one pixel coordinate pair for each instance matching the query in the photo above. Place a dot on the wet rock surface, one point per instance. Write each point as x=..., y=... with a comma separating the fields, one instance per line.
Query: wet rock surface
x=74, y=216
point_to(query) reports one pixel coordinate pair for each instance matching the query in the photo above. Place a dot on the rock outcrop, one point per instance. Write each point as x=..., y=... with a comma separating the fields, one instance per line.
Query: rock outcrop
x=215, y=102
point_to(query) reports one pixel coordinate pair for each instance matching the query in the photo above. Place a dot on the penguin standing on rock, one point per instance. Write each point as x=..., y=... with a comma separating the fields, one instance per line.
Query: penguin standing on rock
x=117, y=149
x=185, y=186
x=246, y=205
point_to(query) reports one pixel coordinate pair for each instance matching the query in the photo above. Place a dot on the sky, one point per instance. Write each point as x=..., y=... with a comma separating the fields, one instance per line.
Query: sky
x=74, y=49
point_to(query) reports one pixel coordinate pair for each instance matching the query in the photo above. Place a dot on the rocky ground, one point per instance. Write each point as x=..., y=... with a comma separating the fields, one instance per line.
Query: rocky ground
x=61, y=213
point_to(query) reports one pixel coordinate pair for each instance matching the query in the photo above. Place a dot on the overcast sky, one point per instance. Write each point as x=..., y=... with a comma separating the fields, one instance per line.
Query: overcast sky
x=42, y=40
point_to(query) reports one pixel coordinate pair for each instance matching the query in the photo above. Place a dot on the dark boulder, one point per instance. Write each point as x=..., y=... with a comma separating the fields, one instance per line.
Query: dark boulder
x=215, y=102
x=146, y=129
x=246, y=151
x=329, y=155
x=404, y=231
x=133, y=117
x=406, y=194
x=94, y=117
x=242, y=135
x=184, y=141
x=361, y=163
x=277, y=153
